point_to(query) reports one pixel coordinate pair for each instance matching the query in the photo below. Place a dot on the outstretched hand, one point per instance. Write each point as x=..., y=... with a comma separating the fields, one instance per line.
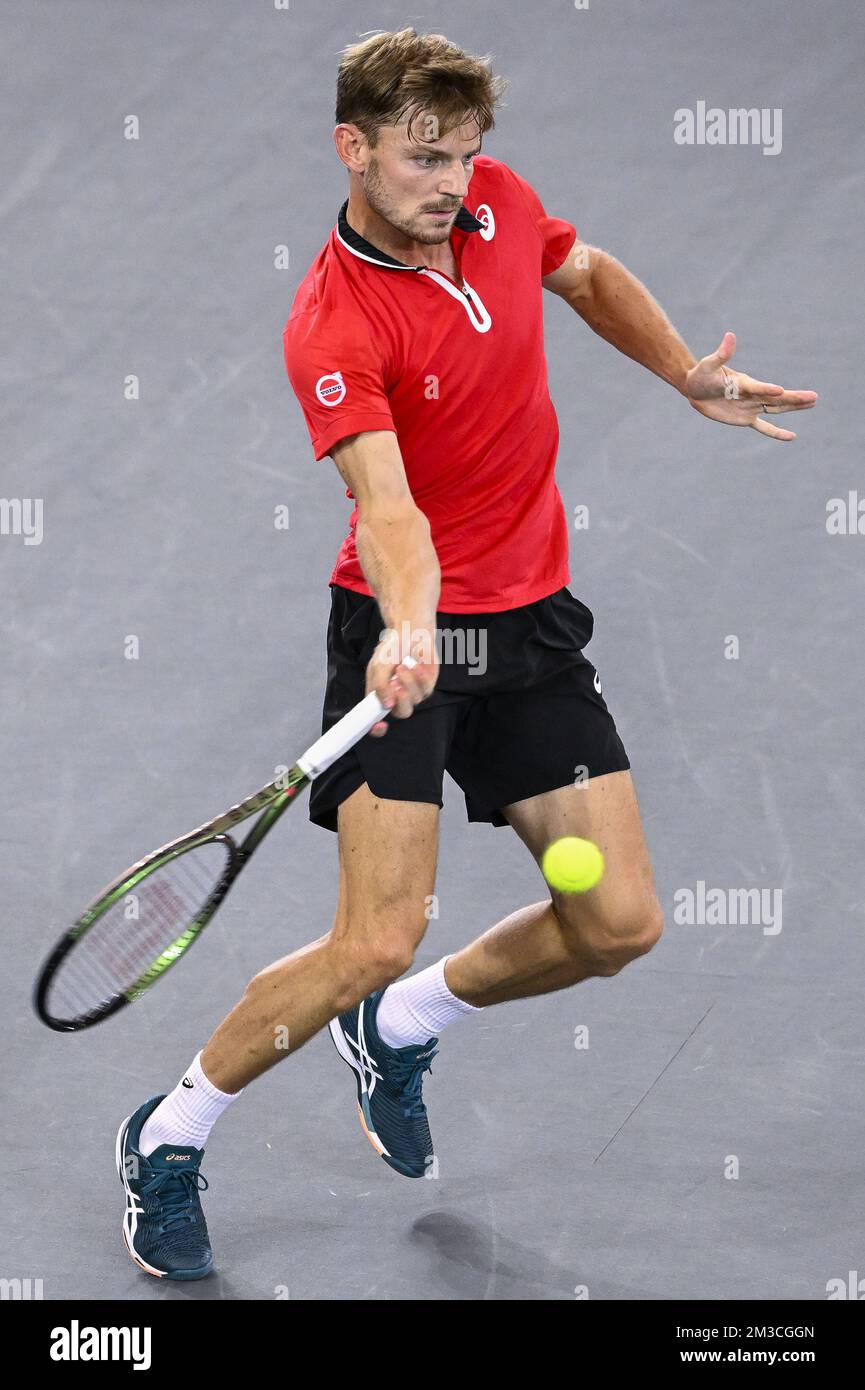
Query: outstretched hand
x=733, y=398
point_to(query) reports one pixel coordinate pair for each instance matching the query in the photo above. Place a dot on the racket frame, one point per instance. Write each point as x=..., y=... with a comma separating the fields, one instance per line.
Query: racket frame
x=271, y=800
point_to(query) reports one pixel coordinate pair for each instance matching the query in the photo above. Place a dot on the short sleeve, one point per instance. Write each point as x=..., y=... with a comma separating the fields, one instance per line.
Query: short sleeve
x=557, y=236
x=336, y=371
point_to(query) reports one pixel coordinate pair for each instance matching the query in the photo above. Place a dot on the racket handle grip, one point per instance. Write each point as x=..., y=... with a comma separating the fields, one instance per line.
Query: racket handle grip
x=345, y=733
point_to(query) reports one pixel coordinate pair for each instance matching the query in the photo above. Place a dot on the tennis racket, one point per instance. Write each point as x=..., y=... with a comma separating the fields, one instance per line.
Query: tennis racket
x=146, y=919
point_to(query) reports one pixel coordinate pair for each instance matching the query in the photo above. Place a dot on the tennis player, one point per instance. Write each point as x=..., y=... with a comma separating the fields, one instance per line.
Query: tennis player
x=415, y=348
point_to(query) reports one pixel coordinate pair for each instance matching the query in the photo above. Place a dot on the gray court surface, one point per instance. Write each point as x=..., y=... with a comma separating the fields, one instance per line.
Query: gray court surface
x=708, y=1141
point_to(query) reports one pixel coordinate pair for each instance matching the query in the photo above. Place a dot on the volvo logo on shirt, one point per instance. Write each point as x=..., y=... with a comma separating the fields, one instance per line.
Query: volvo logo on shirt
x=331, y=388
x=484, y=214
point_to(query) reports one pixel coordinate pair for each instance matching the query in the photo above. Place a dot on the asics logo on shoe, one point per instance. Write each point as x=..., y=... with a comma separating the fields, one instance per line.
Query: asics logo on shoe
x=369, y=1073
x=363, y=1057
x=177, y=1158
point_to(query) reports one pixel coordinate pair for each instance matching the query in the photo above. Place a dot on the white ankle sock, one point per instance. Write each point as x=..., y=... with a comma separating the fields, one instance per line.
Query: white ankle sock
x=187, y=1115
x=415, y=1010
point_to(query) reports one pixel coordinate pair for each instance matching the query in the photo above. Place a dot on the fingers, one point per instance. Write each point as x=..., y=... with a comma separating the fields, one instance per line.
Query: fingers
x=409, y=686
x=400, y=688
x=750, y=390
x=722, y=353
x=794, y=400
x=789, y=400
x=763, y=427
x=379, y=683
x=780, y=399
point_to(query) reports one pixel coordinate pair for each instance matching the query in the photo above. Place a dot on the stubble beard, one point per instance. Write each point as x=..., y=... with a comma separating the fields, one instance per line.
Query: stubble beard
x=415, y=228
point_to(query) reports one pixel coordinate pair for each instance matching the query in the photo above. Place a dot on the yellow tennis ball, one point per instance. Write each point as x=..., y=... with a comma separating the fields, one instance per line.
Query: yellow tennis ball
x=572, y=865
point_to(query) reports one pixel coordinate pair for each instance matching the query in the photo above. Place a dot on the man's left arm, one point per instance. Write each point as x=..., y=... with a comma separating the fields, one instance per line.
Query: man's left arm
x=621, y=310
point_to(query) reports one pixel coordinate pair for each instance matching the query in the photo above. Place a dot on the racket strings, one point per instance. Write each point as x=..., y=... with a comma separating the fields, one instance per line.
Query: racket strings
x=129, y=939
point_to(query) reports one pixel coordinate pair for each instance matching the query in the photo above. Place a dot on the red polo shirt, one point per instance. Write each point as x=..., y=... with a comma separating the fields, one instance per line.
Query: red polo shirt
x=457, y=371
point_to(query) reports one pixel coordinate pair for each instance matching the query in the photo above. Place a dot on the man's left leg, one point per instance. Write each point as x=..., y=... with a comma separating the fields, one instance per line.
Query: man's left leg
x=571, y=936
x=551, y=944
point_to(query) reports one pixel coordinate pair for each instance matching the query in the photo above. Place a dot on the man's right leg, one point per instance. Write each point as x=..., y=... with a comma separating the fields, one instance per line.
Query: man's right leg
x=387, y=852
x=387, y=865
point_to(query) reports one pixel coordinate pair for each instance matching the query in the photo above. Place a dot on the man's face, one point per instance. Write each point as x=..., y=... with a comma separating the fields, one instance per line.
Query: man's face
x=418, y=185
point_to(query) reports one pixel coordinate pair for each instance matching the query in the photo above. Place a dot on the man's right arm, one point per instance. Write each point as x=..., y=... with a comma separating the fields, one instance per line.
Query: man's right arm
x=400, y=565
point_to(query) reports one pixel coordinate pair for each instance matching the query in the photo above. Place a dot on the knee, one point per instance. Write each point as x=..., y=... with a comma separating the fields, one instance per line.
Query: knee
x=371, y=961
x=385, y=959
x=357, y=964
x=607, y=945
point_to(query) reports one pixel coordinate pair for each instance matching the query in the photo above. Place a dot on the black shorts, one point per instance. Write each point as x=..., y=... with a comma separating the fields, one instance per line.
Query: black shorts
x=517, y=709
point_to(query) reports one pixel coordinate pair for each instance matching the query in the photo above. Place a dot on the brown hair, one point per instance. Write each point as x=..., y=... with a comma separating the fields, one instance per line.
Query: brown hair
x=391, y=76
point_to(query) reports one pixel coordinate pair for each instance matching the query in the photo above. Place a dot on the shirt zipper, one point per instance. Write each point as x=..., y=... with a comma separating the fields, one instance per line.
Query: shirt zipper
x=422, y=269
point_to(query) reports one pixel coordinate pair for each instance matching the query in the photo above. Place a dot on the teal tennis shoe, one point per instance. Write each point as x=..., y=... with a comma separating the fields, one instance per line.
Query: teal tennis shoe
x=164, y=1229
x=389, y=1089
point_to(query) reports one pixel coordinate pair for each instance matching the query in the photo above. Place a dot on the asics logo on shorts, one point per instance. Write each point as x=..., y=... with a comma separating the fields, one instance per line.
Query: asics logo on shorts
x=597, y=683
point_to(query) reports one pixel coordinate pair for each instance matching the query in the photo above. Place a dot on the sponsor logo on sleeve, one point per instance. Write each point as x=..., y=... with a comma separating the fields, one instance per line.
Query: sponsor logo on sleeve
x=331, y=388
